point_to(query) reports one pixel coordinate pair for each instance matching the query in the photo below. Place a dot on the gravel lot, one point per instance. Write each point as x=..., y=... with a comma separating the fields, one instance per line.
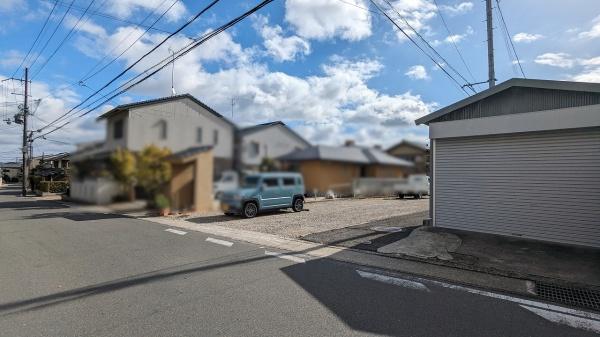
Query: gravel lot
x=319, y=216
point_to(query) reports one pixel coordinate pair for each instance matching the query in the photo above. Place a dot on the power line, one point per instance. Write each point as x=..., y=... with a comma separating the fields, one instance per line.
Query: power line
x=52, y=35
x=62, y=42
x=36, y=39
x=169, y=60
x=86, y=77
x=509, y=38
x=112, y=17
x=429, y=45
x=418, y=46
x=452, y=40
x=141, y=58
x=136, y=62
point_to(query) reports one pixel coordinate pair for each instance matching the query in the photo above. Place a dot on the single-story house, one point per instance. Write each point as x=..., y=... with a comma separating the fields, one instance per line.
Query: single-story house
x=520, y=159
x=412, y=151
x=334, y=168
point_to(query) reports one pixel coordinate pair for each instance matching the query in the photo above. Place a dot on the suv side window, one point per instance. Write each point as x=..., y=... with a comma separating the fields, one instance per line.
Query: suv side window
x=271, y=182
x=288, y=182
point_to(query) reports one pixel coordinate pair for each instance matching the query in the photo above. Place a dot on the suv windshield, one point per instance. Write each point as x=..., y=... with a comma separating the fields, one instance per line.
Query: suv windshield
x=251, y=181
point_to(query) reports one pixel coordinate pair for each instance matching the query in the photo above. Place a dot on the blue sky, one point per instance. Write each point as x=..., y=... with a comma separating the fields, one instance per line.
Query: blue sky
x=332, y=69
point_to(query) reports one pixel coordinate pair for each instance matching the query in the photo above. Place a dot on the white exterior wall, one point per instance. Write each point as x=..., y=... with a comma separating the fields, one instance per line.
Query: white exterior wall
x=274, y=141
x=99, y=191
x=183, y=117
x=112, y=143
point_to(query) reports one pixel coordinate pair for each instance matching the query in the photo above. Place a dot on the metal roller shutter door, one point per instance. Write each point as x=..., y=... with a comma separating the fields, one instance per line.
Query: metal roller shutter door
x=543, y=185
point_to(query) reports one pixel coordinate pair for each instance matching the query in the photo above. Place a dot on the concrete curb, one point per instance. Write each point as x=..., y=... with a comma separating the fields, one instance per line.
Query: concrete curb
x=471, y=278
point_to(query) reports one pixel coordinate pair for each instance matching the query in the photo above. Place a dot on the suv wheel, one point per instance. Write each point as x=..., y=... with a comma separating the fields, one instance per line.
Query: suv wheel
x=298, y=205
x=250, y=210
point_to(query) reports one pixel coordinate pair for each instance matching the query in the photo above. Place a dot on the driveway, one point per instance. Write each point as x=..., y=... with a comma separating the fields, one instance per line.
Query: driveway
x=319, y=216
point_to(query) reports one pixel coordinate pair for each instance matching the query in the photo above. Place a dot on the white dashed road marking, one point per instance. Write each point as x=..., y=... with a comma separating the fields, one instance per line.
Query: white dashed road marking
x=574, y=318
x=220, y=242
x=285, y=256
x=393, y=280
x=175, y=231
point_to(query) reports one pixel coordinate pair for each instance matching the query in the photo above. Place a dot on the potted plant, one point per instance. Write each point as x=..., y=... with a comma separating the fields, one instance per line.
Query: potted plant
x=162, y=203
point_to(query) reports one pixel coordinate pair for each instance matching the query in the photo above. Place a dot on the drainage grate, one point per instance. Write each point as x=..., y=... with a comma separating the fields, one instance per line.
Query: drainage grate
x=568, y=295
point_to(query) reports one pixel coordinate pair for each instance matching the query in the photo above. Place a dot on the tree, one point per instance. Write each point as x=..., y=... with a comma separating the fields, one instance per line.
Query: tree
x=153, y=169
x=267, y=165
x=124, y=170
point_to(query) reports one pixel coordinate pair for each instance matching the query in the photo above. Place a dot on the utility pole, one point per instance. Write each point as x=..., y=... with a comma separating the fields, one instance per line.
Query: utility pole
x=25, y=113
x=490, y=43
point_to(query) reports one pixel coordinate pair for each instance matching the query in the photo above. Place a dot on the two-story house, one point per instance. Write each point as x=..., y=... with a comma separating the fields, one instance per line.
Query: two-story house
x=268, y=140
x=177, y=122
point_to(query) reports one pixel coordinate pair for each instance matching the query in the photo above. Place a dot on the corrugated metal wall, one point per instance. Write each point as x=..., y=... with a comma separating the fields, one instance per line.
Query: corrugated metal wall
x=543, y=185
x=521, y=99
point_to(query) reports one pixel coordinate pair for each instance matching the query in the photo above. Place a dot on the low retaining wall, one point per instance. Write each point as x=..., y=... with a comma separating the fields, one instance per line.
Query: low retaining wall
x=98, y=191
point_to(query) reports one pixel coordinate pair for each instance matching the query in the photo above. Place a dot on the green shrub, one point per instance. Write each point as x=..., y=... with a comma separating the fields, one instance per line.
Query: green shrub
x=161, y=201
x=54, y=186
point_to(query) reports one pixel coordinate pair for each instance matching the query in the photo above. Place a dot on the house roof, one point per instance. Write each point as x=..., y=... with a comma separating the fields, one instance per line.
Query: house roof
x=124, y=107
x=259, y=127
x=514, y=82
x=11, y=165
x=189, y=152
x=345, y=154
x=409, y=143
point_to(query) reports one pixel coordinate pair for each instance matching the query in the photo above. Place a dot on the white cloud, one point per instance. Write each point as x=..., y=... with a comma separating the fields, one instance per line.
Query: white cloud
x=279, y=47
x=325, y=19
x=526, y=37
x=417, y=72
x=11, y=58
x=458, y=9
x=87, y=26
x=127, y=8
x=11, y=5
x=455, y=38
x=594, y=32
x=417, y=14
x=561, y=60
x=588, y=75
x=55, y=101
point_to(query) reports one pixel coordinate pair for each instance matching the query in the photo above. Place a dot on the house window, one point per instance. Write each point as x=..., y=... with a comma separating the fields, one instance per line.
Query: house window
x=162, y=129
x=254, y=149
x=199, y=135
x=215, y=137
x=118, y=129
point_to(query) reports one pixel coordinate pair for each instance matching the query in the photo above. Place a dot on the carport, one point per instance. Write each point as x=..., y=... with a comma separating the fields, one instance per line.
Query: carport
x=520, y=159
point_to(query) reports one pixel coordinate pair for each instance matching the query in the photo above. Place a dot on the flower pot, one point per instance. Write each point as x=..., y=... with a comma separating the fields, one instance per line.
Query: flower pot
x=164, y=211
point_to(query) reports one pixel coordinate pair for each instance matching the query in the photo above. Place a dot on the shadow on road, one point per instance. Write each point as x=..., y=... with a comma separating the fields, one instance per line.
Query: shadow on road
x=76, y=216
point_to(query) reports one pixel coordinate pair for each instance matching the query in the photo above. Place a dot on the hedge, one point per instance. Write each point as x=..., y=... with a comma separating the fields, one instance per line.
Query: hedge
x=54, y=186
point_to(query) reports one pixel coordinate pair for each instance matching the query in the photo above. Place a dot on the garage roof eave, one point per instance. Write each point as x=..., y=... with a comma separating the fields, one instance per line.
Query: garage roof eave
x=513, y=82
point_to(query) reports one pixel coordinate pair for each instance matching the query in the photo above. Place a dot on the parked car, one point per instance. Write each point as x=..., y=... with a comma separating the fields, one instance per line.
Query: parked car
x=228, y=181
x=265, y=191
x=416, y=185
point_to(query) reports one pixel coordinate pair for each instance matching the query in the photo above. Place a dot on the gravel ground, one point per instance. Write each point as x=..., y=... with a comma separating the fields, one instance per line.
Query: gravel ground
x=318, y=217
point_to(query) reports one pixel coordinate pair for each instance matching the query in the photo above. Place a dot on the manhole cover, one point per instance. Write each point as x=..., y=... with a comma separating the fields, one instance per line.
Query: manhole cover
x=569, y=295
x=387, y=229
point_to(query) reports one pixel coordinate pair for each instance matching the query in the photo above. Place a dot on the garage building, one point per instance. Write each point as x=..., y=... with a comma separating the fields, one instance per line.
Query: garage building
x=520, y=159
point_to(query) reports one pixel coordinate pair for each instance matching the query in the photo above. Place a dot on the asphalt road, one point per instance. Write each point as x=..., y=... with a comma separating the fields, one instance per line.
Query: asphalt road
x=70, y=272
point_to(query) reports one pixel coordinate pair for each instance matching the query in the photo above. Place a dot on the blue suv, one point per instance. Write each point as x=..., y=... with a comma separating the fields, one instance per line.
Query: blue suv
x=265, y=191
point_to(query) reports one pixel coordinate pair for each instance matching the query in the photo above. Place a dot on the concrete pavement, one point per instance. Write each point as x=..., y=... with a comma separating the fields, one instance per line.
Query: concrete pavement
x=71, y=272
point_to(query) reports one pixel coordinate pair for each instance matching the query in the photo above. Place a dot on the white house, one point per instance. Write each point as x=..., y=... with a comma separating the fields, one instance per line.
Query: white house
x=179, y=123
x=268, y=140
x=176, y=122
